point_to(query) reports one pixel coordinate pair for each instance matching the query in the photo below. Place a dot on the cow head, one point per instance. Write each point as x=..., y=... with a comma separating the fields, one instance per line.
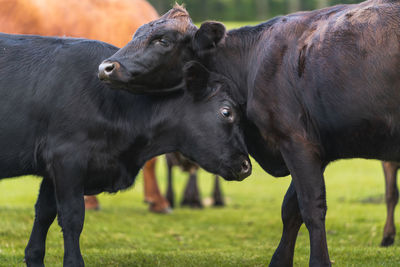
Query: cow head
x=152, y=61
x=211, y=125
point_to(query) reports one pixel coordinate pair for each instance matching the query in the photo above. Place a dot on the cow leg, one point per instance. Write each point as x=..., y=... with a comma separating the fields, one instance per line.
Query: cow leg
x=392, y=197
x=218, y=199
x=45, y=213
x=170, y=188
x=292, y=221
x=307, y=176
x=191, y=196
x=152, y=193
x=68, y=183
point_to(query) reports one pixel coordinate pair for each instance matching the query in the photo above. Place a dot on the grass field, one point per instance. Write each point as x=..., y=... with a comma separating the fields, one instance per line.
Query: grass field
x=245, y=233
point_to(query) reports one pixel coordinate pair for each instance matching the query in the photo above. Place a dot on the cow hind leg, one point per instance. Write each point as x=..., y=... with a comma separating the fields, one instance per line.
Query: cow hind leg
x=292, y=221
x=218, y=198
x=191, y=196
x=45, y=213
x=392, y=197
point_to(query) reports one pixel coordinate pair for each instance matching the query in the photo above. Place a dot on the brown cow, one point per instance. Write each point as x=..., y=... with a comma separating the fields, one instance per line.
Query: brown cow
x=109, y=21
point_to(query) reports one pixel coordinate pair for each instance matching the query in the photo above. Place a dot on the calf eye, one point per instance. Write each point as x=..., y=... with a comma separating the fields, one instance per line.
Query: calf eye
x=162, y=42
x=226, y=112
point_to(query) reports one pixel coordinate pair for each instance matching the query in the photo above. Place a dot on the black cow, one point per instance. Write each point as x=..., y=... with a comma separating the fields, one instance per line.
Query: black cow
x=60, y=122
x=317, y=86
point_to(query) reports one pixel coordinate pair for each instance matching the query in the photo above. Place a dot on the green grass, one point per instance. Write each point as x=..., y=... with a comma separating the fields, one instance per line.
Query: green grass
x=245, y=233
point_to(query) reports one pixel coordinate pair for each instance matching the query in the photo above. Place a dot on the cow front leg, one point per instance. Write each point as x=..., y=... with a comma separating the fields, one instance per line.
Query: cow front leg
x=45, y=213
x=68, y=181
x=306, y=169
x=191, y=196
x=392, y=197
x=291, y=219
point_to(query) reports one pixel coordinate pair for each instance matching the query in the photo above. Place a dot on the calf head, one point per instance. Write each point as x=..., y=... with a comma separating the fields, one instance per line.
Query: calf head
x=210, y=126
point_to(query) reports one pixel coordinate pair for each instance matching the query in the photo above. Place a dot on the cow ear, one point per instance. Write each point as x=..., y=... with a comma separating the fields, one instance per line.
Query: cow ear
x=208, y=36
x=196, y=77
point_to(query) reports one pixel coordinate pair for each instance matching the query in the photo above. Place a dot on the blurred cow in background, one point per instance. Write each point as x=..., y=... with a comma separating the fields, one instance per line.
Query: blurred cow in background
x=109, y=21
x=191, y=195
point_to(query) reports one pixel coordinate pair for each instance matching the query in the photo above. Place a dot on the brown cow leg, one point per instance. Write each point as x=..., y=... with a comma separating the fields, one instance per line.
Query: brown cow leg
x=191, y=196
x=91, y=203
x=218, y=199
x=152, y=193
x=392, y=197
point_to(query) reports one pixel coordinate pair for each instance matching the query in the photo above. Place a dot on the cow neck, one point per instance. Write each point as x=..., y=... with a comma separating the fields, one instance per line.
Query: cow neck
x=148, y=122
x=238, y=57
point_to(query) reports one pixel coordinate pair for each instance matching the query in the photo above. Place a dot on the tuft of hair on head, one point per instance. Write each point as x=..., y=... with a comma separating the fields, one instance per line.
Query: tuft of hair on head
x=176, y=12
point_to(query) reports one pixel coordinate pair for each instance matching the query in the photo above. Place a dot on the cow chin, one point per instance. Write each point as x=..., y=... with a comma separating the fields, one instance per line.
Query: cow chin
x=231, y=175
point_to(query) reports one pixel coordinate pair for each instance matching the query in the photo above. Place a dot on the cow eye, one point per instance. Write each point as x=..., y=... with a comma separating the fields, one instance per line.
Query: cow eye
x=162, y=42
x=226, y=112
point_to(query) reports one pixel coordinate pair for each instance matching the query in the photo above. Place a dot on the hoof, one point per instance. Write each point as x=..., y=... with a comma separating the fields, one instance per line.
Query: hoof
x=164, y=210
x=387, y=241
x=162, y=207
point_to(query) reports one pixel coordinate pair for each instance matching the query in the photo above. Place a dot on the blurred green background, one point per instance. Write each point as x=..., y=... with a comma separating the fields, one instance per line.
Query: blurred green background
x=243, y=10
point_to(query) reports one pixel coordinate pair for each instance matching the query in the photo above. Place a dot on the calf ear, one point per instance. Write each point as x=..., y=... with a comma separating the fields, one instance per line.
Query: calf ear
x=196, y=77
x=208, y=36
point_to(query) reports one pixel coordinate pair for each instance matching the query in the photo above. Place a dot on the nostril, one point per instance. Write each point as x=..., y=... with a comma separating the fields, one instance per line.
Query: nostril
x=110, y=68
x=245, y=166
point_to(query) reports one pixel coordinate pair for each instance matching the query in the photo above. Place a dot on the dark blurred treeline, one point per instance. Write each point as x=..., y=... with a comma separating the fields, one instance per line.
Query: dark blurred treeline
x=243, y=10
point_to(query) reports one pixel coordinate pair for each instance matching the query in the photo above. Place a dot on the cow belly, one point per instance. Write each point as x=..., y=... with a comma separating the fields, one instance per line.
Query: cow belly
x=372, y=143
x=18, y=157
x=108, y=176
